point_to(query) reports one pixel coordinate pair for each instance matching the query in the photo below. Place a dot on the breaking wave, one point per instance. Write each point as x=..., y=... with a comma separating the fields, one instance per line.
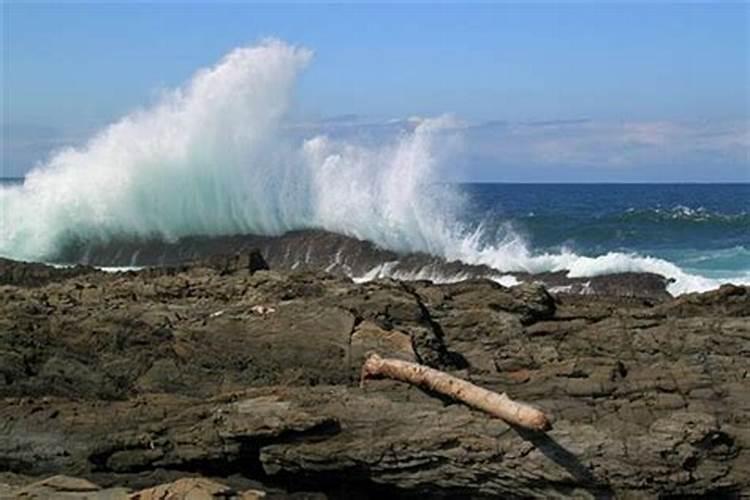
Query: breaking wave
x=214, y=158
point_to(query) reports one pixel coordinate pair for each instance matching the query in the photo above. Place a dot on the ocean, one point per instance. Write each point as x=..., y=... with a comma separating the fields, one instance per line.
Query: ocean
x=702, y=228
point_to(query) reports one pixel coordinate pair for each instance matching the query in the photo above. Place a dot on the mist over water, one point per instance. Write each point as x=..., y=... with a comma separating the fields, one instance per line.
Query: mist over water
x=212, y=158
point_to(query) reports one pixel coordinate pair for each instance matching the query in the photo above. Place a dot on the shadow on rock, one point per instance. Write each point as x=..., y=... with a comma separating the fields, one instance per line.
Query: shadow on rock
x=563, y=457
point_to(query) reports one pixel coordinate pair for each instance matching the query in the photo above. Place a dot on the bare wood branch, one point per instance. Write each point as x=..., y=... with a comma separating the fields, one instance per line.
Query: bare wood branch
x=499, y=405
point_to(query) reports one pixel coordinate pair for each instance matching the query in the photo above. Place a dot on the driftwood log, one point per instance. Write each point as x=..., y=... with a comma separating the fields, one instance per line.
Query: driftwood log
x=498, y=405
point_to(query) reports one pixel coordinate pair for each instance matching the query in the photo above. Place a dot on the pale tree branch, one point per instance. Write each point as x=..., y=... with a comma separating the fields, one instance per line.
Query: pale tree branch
x=498, y=405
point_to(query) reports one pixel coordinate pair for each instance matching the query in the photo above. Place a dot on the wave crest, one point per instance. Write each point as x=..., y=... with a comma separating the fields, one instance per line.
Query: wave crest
x=211, y=159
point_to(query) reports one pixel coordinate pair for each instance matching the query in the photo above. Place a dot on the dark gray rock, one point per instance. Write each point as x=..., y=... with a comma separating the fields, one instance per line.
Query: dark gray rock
x=35, y=274
x=131, y=378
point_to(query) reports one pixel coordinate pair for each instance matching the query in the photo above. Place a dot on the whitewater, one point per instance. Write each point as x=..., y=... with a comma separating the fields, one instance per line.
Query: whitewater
x=216, y=158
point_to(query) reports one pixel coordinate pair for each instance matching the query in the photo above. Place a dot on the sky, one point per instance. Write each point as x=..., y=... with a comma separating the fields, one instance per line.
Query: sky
x=550, y=92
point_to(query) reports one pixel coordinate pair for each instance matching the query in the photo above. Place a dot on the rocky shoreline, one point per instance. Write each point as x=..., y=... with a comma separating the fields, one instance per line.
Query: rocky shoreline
x=314, y=250
x=226, y=370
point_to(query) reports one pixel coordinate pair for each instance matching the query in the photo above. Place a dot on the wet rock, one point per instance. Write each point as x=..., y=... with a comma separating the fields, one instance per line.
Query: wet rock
x=35, y=274
x=313, y=250
x=248, y=261
x=644, y=286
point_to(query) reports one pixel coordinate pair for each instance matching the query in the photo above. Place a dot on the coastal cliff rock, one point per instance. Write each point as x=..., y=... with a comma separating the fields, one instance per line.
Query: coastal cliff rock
x=250, y=377
x=315, y=249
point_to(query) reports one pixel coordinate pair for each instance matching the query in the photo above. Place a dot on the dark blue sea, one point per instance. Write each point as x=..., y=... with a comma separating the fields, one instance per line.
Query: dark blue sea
x=703, y=228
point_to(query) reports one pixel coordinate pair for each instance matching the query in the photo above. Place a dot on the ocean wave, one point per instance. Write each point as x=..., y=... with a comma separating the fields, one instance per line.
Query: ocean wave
x=514, y=255
x=682, y=213
x=213, y=159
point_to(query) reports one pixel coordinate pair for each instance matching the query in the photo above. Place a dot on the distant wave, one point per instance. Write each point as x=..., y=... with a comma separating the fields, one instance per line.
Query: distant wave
x=678, y=214
x=212, y=159
x=685, y=214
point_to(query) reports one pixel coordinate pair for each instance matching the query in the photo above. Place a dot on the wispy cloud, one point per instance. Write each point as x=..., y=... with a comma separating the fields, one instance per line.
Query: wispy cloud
x=611, y=144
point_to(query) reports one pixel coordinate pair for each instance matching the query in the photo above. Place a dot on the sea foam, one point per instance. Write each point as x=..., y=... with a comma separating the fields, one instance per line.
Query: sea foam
x=213, y=158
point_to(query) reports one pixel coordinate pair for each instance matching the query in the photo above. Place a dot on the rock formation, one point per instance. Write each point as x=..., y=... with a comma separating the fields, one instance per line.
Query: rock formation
x=129, y=380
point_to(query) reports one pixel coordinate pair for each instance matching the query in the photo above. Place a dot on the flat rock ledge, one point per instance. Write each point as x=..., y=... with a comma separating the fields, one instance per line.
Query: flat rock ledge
x=228, y=380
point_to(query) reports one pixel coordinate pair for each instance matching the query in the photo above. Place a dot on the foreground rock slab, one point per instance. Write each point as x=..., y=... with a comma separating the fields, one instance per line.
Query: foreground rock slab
x=249, y=377
x=71, y=488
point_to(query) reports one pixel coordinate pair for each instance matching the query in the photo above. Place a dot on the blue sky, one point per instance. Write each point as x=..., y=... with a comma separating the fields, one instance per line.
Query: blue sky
x=553, y=92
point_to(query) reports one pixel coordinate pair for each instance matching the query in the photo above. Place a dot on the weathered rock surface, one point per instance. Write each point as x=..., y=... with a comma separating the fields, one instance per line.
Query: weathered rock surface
x=71, y=488
x=250, y=377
